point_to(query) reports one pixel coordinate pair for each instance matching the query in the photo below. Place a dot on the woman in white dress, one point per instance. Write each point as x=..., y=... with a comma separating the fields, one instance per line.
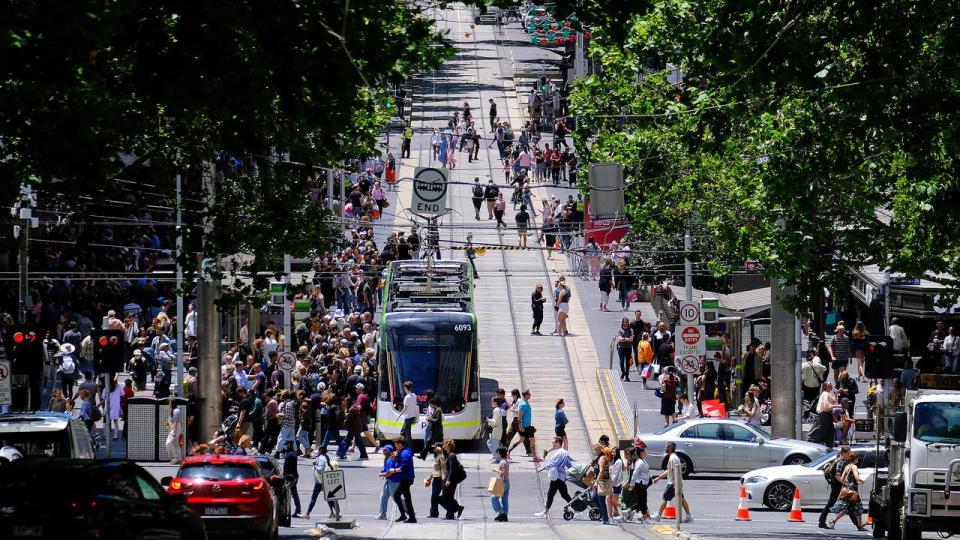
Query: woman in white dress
x=113, y=410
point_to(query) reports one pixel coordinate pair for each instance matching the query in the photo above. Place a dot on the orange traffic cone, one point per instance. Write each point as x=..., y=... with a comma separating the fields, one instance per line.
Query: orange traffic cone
x=869, y=520
x=670, y=512
x=795, y=513
x=743, y=513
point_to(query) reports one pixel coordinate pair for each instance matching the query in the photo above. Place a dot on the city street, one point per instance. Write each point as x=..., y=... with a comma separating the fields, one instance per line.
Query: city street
x=299, y=227
x=483, y=69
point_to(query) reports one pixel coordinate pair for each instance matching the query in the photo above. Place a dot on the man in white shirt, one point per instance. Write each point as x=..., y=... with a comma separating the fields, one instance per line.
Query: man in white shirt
x=410, y=411
x=812, y=374
x=674, y=475
x=901, y=344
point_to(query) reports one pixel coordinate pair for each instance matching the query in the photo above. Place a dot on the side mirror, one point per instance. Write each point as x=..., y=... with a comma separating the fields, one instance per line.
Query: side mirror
x=165, y=481
x=759, y=440
x=900, y=426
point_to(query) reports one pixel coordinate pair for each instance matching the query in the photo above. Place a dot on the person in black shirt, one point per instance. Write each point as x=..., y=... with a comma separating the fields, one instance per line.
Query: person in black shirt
x=523, y=220
x=638, y=327
x=477, y=196
x=490, y=193
x=536, y=303
x=665, y=354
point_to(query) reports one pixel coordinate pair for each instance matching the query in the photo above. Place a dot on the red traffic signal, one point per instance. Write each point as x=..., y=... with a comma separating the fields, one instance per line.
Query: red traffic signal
x=112, y=341
x=24, y=337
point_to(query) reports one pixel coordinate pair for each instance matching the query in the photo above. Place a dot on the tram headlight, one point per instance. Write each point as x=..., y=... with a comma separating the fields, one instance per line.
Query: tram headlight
x=474, y=396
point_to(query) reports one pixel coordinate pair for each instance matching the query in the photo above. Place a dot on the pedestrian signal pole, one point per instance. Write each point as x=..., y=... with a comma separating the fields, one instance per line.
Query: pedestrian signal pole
x=688, y=285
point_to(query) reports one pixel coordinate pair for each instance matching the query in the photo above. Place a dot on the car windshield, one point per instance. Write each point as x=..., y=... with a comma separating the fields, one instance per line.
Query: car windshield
x=821, y=460
x=937, y=422
x=266, y=466
x=39, y=443
x=433, y=356
x=217, y=472
x=665, y=429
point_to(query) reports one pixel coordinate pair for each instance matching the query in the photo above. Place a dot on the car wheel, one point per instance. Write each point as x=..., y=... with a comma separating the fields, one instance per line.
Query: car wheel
x=686, y=465
x=796, y=459
x=779, y=496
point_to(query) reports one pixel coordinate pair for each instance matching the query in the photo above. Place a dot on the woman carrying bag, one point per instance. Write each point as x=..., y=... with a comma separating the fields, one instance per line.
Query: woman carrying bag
x=849, y=500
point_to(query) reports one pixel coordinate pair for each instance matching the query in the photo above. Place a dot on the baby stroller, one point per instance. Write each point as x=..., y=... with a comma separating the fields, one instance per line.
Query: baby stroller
x=581, y=475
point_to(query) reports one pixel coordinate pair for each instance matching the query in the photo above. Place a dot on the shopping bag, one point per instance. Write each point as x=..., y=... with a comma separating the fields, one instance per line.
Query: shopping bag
x=646, y=372
x=712, y=408
x=495, y=487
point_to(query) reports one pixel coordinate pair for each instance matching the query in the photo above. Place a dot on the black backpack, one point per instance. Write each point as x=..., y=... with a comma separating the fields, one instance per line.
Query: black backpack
x=459, y=474
x=477, y=191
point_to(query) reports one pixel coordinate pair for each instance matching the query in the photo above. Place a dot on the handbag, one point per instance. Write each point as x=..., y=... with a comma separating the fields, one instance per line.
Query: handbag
x=495, y=486
x=849, y=495
x=604, y=487
x=657, y=392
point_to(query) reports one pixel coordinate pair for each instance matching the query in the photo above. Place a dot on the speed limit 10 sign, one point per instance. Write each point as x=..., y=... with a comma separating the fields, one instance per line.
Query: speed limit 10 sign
x=689, y=312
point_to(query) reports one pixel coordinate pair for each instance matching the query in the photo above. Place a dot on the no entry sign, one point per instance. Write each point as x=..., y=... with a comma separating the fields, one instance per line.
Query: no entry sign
x=691, y=341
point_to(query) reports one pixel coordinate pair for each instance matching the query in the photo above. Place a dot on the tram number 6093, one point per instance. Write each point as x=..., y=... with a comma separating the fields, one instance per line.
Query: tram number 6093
x=463, y=328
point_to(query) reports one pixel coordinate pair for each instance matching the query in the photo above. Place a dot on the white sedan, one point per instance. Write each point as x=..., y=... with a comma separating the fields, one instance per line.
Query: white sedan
x=773, y=487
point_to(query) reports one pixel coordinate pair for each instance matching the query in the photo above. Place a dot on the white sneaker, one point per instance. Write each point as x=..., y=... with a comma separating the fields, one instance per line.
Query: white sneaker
x=541, y=514
x=649, y=521
x=687, y=519
x=655, y=518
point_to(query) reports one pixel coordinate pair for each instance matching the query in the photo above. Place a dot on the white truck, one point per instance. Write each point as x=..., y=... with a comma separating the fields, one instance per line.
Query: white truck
x=921, y=491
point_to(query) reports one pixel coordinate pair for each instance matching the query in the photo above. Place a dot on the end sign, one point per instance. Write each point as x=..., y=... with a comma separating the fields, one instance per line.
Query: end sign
x=429, y=197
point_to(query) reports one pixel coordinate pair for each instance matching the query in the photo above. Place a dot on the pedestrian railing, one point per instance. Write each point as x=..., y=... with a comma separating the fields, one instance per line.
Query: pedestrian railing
x=576, y=262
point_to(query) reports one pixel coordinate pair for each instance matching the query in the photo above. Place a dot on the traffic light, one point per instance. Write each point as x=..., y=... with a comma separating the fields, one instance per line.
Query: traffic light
x=878, y=358
x=109, y=350
x=25, y=348
x=390, y=105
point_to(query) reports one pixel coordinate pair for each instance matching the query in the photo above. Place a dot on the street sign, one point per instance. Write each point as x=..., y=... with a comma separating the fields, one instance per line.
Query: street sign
x=689, y=312
x=691, y=341
x=6, y=389
x=429, y=197
x=287, y=361
x=689, y=364
x=334, y=485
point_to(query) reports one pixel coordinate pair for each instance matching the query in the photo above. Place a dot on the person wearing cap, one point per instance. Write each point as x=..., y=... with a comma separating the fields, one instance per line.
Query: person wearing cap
x=391, y=481
x=321, y=464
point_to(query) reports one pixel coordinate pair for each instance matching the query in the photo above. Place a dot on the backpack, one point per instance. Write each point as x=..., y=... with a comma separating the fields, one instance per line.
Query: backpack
x=458, y=474
x=830, y=471
x=477, y=191
x=67, y=366
x=95, y=414
x=670, y=387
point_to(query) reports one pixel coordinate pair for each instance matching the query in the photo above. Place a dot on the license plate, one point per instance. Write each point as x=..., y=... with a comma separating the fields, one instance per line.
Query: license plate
x=28, y=531
x=216, y=511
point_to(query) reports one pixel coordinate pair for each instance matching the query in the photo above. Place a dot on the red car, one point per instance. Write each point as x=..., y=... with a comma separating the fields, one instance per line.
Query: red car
x=229, y=493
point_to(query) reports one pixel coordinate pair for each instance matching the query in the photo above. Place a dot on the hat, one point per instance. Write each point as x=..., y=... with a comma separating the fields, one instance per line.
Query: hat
x=358, y=369
x=303, y=350
x=164, y=344
x=358, y=386
x=387, y=448
x=67, y=348
x=192, y=371
x=321, y=387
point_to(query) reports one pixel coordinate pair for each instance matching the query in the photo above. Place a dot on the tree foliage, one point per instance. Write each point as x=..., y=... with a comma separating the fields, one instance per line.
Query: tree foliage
x=177, y=83
x=804, y=135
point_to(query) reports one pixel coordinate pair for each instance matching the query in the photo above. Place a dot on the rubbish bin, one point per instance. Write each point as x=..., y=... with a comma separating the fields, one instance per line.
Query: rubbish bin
x=147, y=427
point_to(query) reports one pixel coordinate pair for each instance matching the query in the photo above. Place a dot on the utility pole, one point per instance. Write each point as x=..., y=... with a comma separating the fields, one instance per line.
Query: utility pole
x=179, y=387
x=23, y=209
x=688, y=289
x=330, y=189
x=783, y=363
x=208, y=326
x=288, y=345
